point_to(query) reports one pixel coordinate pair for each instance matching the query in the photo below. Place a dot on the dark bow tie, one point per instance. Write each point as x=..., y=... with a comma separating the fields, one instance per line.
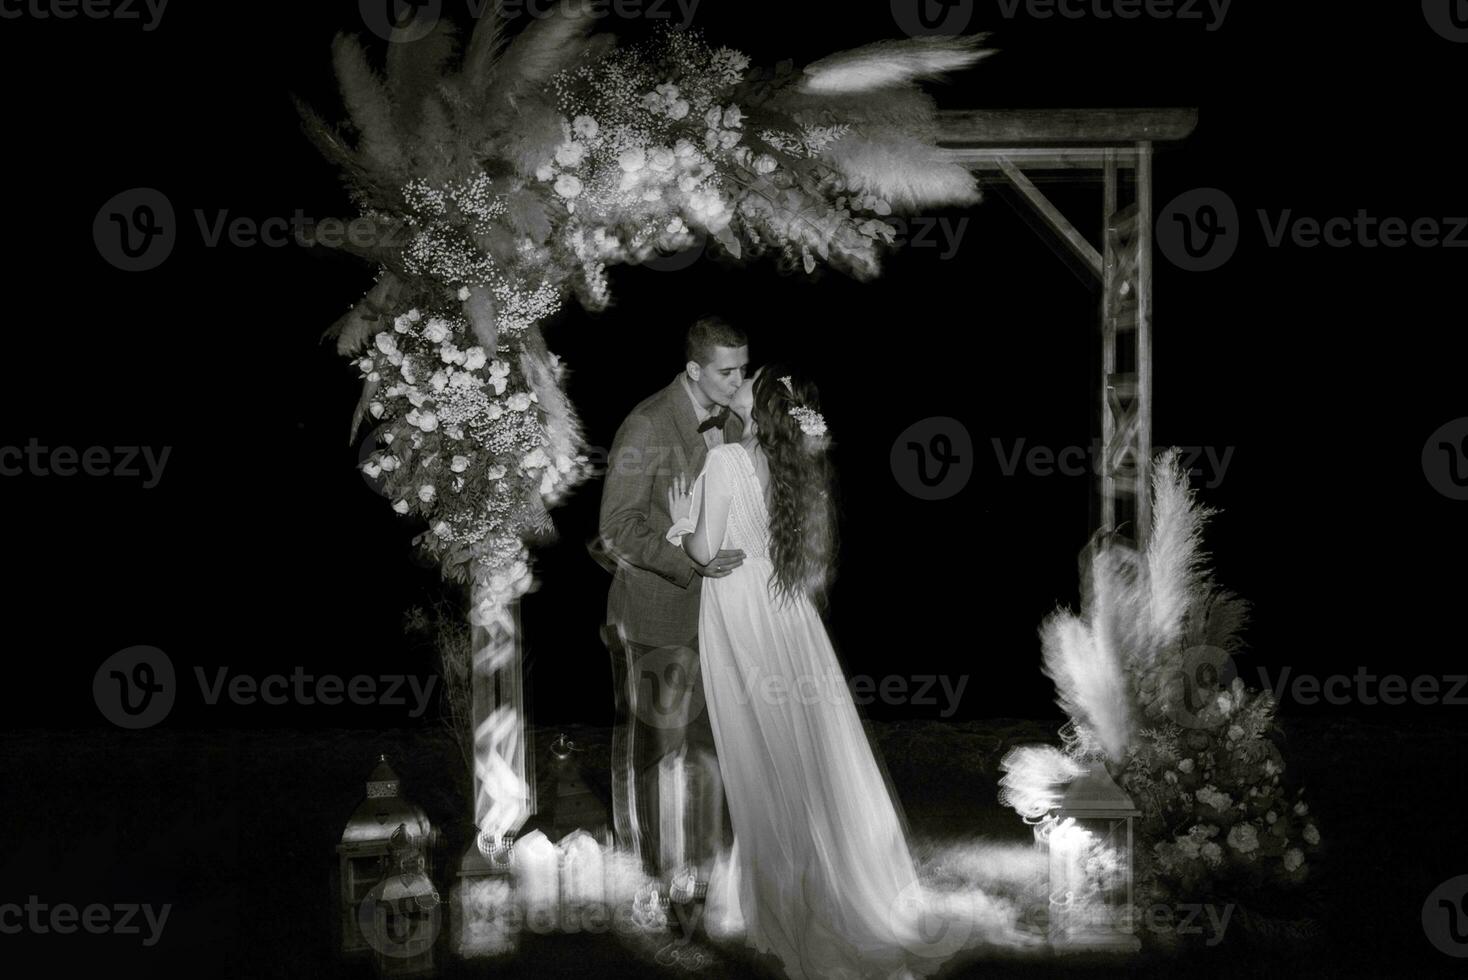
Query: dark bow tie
x=714, y=421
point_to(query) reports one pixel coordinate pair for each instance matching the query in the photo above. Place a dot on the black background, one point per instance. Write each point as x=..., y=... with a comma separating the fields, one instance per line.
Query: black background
x=1323, y=370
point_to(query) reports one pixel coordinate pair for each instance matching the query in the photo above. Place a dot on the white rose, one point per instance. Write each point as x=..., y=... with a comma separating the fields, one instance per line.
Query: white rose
x=387, y=343
x=372, y=469
x=427, y=421
x=459, y=464
x=633, y=159
x=686, y=184
x=668, y=91
x=414, y=316
x=441, y=529
x=585, y=127
x=496, y=472
x=365, y=365
x=1301, y=808
x=499, y=369
x=685, y=150
x=535, y=459
x=463, y=380
x=519, y=401
x=1271, y=817
x=679, y=109
x=728, y=140
x=437, y=331
x=569, y=186
x=733, y=117
x=765, y=164
x=1235, y=733
x=400, y=324
x=1311, y=835
x=474, y=358
x=571, y=154
x=376, y=409
x=499, y=387
x=1185, y=766
x=439, y=381
x=662, y=158
x=426, y=493
x=416, y=397
x=400, y=506
x=714, y=117
x=544, y=172
x=390, y=463
x=494, y=411
x=1293, y=859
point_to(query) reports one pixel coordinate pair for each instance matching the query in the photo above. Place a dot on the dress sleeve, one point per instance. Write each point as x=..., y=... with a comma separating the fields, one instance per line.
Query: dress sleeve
x=712, y=495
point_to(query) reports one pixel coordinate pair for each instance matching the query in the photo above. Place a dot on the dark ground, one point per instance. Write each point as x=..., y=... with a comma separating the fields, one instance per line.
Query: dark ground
x=237, y=829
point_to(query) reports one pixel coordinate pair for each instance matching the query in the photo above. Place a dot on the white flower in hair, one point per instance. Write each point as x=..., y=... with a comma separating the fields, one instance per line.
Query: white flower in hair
x=787, y=383
x=812, y=423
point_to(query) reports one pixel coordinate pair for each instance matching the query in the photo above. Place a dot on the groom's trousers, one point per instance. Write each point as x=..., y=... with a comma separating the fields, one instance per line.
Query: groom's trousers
x=667, y=795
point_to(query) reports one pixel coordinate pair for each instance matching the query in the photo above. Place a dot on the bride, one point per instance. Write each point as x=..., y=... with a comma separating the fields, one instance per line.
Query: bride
x=820, y=871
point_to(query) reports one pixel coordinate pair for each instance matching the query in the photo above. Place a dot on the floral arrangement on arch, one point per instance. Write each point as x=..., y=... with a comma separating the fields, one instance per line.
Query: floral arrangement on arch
x=1143, y=673
x=497, y=181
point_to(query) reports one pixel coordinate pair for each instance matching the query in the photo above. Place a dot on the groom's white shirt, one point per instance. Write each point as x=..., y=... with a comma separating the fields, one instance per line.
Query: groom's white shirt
x=711, y=437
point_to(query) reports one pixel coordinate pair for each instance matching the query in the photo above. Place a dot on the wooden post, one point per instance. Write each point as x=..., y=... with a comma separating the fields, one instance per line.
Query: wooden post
x=1144, y=343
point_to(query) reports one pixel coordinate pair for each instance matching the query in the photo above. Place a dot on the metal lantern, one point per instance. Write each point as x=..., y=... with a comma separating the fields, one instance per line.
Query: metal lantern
x=1090, y=849
x=369, y=853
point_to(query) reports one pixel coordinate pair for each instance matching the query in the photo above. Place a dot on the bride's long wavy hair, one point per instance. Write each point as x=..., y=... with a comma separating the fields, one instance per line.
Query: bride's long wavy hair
x=803, y=507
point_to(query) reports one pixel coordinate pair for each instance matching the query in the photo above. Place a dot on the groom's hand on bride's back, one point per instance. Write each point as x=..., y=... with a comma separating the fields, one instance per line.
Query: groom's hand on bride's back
x=722, y=564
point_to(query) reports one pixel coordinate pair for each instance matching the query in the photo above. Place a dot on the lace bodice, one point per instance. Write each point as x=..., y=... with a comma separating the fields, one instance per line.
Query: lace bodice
x=749, y=523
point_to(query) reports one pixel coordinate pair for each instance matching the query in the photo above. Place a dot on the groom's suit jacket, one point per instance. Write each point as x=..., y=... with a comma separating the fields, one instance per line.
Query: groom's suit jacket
x=655, y=591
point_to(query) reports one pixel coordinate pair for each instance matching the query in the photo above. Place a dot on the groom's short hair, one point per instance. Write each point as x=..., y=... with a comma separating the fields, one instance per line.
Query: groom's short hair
x=710, y=332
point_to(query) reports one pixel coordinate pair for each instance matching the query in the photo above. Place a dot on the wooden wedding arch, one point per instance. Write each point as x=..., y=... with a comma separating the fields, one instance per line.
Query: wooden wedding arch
x=1020, y=147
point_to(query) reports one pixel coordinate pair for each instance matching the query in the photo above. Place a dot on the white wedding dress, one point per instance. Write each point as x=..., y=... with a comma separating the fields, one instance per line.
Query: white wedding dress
x=820, y=873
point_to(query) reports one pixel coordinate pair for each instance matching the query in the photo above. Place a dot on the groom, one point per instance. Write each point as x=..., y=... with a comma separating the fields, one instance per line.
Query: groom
x=666, y=791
